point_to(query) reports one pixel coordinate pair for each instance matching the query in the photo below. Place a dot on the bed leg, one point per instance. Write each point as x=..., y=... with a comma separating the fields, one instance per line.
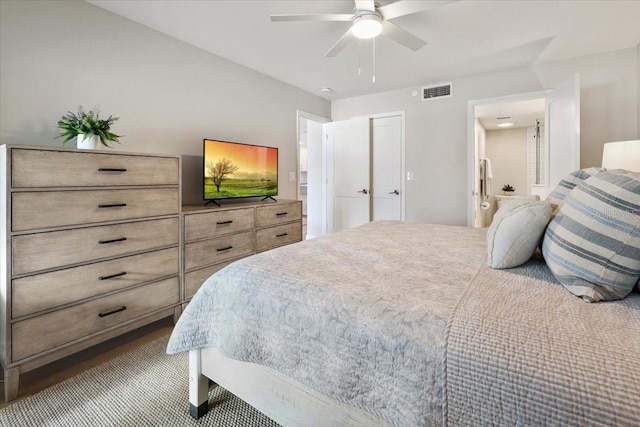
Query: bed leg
x=198, y=386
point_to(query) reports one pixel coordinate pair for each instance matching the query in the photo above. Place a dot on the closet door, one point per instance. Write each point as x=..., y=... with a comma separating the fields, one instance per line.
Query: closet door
x=348, y=171
x=386, y=161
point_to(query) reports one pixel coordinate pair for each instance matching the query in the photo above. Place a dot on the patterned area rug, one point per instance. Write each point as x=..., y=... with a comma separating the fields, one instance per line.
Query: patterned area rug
x=144, y=387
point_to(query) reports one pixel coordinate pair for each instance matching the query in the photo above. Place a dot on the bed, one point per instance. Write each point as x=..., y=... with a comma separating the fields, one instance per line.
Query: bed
x=406, y=324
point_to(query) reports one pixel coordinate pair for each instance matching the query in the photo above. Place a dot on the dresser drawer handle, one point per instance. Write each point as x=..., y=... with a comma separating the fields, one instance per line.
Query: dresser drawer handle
x=282, y=235
x=109, y=313
x=224, y=249
x=281, y=213
x=224, y=222
x=114, y=205
x=112, y=276
x=121, y=239
x=112, y=170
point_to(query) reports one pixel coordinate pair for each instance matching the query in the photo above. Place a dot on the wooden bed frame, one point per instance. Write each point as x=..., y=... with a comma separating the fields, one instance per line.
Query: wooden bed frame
x=279, y=397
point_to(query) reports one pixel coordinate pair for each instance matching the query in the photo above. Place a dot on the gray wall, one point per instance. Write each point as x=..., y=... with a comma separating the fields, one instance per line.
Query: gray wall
x=168, y=95
x=436, y=130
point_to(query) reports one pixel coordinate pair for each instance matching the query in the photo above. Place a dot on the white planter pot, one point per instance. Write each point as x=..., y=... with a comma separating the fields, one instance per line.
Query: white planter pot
x=90, y=143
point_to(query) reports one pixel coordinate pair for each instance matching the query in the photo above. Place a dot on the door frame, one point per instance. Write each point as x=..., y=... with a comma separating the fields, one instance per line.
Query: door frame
x=472, y=158
x=300, y=114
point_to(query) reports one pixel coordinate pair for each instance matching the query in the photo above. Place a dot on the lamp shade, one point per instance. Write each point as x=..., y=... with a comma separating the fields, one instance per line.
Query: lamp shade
x=622, y=155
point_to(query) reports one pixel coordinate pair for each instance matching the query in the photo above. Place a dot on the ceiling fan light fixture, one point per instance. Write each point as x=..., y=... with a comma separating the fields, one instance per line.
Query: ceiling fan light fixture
x=505, y=124
x=367, y=25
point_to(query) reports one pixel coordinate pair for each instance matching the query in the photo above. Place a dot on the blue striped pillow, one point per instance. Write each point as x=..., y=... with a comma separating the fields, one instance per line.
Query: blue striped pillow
x=568, y=183
x=592, y=246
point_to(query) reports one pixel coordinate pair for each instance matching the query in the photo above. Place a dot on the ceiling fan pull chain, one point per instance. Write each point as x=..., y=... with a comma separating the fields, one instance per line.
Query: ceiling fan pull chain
x=359, y=59
x=374, y=60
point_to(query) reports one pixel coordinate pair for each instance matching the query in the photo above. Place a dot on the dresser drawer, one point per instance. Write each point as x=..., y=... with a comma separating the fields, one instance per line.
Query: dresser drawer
x=278, y=214
x=271, y=237
x=41, y=251
x=194, y=279
x=220, y=249
x=199, y=226
x=38, y=334
x=33, y=210
x=49, y=290
x=43, y=168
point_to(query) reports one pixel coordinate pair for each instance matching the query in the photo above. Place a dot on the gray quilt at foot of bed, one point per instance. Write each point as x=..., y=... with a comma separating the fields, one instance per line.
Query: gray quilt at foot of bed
x=358, y=315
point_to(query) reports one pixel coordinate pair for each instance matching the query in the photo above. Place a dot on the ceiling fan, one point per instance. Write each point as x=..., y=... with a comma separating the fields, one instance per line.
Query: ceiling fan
x=369, y=21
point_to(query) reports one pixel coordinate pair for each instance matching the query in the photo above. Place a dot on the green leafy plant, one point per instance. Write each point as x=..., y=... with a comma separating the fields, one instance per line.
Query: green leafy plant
x=507, y=187
x=88, y=124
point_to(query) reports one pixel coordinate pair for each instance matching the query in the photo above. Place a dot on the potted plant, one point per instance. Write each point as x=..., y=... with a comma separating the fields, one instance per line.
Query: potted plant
x=87, y=128
x=508, y=190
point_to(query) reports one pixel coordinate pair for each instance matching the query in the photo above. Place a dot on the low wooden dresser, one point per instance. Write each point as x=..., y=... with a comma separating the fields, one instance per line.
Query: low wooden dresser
x=215, y=237
x=90, y=250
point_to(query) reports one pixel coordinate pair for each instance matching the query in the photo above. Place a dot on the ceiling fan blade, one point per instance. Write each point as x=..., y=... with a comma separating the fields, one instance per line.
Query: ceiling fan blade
x=340, y=44
x=401, y=36
x=403, y=7
x=324, y=17
x=365, y=5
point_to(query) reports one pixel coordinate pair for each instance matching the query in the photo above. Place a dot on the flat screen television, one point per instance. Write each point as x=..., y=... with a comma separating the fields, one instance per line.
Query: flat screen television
x=233, y=170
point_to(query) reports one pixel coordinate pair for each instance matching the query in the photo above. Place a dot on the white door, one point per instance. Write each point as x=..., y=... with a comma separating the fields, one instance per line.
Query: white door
x=348, y=172
x=316, y=215
x=386, y=161
x=562, y=131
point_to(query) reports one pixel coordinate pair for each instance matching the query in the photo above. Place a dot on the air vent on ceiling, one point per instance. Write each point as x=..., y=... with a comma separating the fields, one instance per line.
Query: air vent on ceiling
x=439, y=91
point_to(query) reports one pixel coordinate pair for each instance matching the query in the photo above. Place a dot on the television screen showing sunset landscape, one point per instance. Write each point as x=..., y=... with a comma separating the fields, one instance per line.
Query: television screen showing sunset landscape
x=233, y=170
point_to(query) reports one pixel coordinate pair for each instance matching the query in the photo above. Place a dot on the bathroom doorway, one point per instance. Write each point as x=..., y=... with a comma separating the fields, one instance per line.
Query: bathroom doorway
x=524, y=143
x=510, y=144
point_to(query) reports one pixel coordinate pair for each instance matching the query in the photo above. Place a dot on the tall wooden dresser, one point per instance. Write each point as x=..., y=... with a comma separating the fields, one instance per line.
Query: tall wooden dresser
x=90, y=249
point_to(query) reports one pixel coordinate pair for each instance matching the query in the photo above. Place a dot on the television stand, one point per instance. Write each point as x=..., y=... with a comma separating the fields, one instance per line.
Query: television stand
x=269, y=197
x=215, y=202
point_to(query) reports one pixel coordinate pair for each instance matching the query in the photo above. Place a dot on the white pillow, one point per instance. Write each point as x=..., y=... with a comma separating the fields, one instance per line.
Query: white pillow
x=515, y=232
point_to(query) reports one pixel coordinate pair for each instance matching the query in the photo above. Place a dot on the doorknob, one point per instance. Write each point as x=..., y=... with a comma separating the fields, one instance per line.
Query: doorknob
x=363, y=191
x=396, y=192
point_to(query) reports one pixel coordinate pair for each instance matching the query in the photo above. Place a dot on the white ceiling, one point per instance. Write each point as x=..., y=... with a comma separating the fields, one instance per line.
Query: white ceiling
x=464, y=38
x=524, y=113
